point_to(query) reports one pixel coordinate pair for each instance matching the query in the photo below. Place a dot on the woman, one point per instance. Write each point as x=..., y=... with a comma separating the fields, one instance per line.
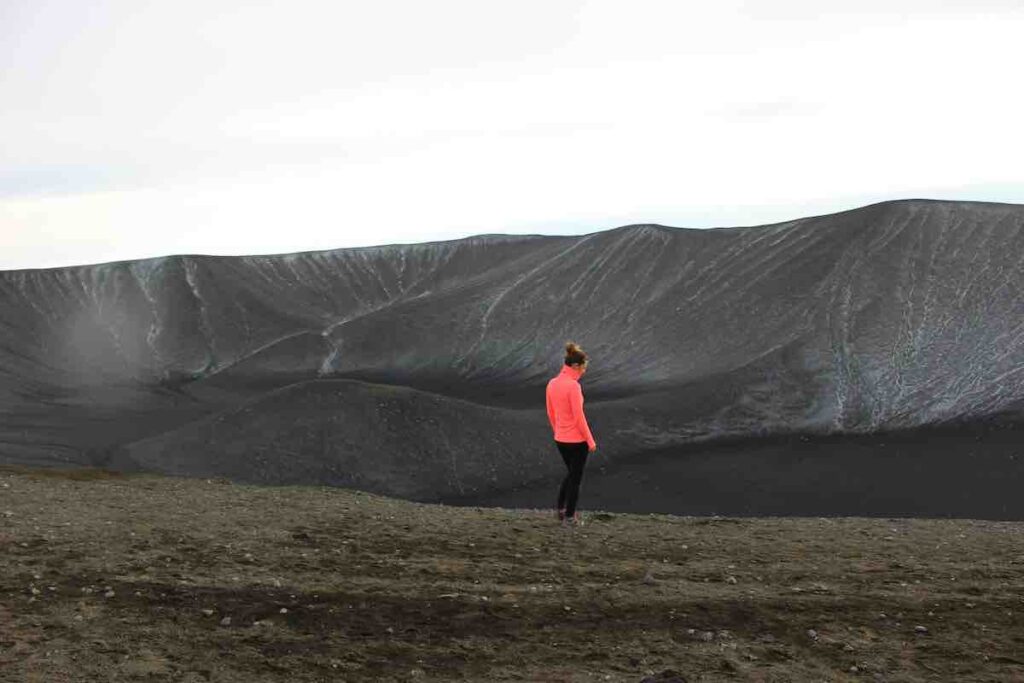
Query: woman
x=572, y=434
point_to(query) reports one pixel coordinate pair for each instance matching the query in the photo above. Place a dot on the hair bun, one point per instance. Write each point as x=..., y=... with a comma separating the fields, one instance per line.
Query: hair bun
x=574, y=354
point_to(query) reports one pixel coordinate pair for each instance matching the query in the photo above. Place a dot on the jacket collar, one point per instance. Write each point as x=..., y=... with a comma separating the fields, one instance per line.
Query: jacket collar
x=566, y=370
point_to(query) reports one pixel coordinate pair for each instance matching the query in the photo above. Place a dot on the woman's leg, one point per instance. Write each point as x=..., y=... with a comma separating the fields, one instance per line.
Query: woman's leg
x=564, y=488
x=577, y=460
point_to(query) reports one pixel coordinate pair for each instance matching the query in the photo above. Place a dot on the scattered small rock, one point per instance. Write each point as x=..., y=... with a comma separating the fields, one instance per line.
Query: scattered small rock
x=208, y=612
x=226, y=621
x=284, y=610
x=649, y=578
x=812, y=634
x=923, y=630
x=109, y=594
x=730, y=579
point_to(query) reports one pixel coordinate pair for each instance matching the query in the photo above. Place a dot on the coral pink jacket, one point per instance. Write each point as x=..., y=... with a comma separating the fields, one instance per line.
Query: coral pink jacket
x=565, y=408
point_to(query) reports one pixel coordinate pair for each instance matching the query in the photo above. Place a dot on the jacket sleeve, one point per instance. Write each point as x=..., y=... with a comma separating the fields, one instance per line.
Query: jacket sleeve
x=551, y=410
x=576, y=396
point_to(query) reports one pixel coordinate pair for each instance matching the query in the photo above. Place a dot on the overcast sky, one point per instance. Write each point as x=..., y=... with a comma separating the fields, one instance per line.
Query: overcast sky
x=138, y=128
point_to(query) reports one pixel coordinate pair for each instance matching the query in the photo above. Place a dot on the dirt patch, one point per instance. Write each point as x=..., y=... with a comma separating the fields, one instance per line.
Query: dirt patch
x=149, y=578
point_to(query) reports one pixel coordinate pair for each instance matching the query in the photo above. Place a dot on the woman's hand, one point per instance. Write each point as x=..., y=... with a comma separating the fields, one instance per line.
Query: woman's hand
x=593, y=447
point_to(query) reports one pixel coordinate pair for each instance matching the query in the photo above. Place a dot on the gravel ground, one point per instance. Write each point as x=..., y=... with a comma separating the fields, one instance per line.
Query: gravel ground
x=107, y=577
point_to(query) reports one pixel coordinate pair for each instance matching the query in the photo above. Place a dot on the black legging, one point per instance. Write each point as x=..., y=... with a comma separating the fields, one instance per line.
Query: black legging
x=575, y=457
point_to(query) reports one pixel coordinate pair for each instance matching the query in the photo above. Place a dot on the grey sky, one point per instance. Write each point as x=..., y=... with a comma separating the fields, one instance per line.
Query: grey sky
x=133, y=129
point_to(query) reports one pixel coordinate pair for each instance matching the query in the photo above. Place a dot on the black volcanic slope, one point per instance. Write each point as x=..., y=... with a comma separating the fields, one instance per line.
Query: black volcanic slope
x=896, y=316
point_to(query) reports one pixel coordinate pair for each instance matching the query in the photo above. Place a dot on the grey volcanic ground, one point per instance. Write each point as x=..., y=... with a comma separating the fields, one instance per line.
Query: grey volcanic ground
x=759, y=370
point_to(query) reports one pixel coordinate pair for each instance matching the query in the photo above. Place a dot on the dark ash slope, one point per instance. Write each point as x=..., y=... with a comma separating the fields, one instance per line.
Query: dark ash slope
x=890, y=317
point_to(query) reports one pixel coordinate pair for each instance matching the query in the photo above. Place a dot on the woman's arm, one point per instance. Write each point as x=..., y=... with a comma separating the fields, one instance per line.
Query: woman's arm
x=551, y=410
x=576, y=396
